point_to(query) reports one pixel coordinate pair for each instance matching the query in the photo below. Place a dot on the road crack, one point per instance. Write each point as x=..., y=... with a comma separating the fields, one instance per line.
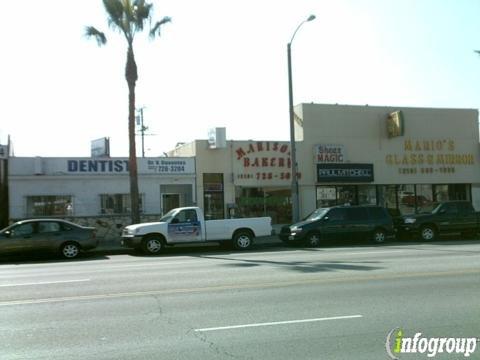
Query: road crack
x=217, y=349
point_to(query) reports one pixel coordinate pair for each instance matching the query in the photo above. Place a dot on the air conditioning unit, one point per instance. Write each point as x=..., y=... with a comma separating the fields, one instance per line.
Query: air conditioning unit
x=38, y=166
x=217, y=138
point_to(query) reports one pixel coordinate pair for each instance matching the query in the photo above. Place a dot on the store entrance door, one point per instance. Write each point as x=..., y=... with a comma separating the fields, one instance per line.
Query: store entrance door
x=169, y=202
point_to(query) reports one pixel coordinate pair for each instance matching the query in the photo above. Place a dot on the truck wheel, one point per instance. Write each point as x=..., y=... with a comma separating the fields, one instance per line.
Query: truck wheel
x=243, y=240
x=313, y=240
x=379, y=236
x=152, y=245
x=428, y=233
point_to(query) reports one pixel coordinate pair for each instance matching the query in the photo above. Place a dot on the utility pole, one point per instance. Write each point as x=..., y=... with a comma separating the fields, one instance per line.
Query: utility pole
x=142, y=129
x=4, y=202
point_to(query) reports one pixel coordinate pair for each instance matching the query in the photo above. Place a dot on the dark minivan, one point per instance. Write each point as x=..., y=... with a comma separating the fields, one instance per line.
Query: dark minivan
x=339, y=223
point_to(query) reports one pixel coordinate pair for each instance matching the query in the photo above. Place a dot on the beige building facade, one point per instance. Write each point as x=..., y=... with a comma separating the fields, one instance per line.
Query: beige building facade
x=400, y=158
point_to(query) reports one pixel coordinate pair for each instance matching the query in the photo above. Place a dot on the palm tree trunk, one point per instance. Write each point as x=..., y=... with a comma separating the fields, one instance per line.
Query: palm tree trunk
x=131, y=77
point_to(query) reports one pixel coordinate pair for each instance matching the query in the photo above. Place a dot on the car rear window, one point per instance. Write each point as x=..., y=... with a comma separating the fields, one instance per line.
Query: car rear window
x=67, y=226
x=48, y=226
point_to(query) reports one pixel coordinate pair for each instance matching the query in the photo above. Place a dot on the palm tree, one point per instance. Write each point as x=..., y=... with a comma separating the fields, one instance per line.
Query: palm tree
x=129, y=18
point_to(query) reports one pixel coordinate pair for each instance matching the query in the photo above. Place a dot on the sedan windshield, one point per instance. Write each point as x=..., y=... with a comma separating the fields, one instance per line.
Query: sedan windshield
x=317, y=214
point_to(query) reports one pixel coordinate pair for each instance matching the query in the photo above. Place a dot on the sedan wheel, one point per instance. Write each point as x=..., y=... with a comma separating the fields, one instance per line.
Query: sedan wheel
x=70, y=250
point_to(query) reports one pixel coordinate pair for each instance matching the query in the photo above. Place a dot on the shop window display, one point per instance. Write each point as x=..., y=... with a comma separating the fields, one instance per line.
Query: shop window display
x=258, y=202
x=451, y=192
x=387, y=197
x=347, y=195
x=406, y=199
x=326, y=196
x=424, y=196
x=367, y=195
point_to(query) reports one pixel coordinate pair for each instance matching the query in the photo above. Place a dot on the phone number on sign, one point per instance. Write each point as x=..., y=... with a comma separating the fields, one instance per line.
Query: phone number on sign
x=165, y=168
x=267, y=176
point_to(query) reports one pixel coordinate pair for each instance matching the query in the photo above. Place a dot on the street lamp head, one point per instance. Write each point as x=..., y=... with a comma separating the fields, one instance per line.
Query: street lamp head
x=310, y=18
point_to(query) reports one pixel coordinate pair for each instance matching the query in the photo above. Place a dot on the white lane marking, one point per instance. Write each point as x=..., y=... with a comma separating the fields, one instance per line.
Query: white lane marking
x=45, y=282
x=279, y=323
x=262, y=285
x=370, y=252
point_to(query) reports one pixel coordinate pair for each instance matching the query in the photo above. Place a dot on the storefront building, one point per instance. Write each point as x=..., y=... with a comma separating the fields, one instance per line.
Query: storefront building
x=400, y=158
x=242, y=178
x=91, y=187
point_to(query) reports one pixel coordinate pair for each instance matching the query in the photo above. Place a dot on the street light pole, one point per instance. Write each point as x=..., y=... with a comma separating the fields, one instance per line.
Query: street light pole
x=293, y=151
x=293, y=155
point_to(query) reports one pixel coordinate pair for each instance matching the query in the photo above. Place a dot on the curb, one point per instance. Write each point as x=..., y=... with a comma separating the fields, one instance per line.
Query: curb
x=115, y=246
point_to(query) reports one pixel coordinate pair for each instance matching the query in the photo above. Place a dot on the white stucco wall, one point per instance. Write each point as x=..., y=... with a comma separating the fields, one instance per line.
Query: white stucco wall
x=51, y=176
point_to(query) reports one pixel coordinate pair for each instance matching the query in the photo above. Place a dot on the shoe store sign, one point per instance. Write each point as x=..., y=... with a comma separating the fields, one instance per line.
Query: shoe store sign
x=329, y=154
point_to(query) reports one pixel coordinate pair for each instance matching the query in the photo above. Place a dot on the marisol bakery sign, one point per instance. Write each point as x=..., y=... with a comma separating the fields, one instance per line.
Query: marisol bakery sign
x=258, y=163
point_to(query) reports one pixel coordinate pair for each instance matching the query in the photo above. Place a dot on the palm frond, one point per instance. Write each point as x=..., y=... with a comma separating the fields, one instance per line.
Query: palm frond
x=115, y=11
x=90, y=31
x=156, y=29
x=129, y=10
x=142, y=12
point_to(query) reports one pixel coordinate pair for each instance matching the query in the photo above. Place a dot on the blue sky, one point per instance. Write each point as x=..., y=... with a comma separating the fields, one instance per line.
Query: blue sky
x=223, y=63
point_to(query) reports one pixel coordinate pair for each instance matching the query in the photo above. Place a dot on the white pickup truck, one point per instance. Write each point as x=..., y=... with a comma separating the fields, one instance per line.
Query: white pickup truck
x=188, y=225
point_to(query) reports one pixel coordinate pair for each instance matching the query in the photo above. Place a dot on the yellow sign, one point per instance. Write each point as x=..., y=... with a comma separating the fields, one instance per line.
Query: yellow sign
x=430, y=156
x=430, y=159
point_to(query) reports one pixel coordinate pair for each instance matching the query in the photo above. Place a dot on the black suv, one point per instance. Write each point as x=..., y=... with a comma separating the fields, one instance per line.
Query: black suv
x=339, y=223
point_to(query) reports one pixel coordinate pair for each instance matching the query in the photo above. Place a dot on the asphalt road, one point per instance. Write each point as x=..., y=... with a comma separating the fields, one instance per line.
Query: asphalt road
x=269, y=303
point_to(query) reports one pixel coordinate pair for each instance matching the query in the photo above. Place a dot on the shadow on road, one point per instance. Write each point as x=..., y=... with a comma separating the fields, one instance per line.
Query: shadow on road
x=299, y=266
